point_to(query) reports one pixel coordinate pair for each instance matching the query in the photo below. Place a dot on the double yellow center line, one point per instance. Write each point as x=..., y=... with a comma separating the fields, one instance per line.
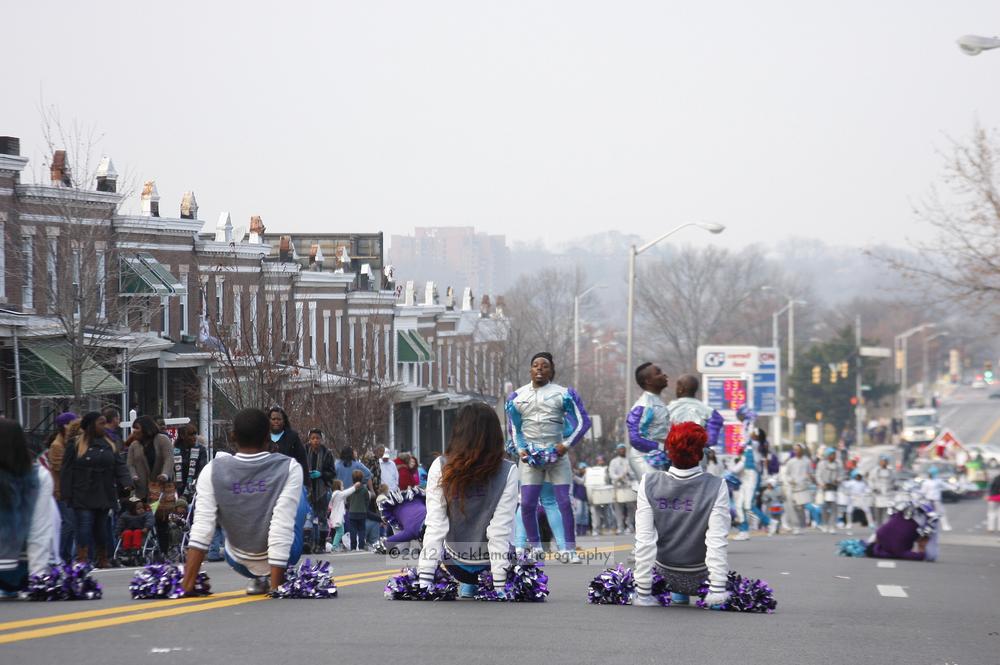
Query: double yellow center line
x=75, y=622
x=139, y=611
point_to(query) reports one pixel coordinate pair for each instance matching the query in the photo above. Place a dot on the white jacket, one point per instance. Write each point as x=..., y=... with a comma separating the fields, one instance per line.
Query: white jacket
x=338, y=501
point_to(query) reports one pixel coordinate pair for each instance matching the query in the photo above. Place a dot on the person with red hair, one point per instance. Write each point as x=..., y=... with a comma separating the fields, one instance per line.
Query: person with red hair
x=682, y=524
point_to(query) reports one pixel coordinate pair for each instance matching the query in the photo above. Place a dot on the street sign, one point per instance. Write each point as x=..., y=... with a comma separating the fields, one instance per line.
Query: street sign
x=875, y=352
x=722, y=359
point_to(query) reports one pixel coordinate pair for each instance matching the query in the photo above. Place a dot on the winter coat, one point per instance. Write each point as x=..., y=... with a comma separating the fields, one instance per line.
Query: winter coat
x=290, y=445
x=138, y=465
x=88, y=482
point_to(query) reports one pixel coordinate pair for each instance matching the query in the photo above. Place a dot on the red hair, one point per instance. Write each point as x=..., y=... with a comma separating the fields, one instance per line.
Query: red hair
x=686, y=444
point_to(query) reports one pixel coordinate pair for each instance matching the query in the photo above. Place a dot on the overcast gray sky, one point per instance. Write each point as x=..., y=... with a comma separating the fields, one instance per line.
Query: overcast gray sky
x=536, y=119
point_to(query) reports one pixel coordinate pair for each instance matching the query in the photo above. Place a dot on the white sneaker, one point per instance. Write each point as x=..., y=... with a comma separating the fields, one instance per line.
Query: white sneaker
x=796, y=532
x=536, y=554
x=570, y=556
x=742, y=535
x=258, y=586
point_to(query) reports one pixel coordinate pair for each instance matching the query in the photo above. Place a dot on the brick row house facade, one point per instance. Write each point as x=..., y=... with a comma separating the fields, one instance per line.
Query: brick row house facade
x=156, y=314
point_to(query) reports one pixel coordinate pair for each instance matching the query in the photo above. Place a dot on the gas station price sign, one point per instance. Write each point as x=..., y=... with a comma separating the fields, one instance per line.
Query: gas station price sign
x=727, y=393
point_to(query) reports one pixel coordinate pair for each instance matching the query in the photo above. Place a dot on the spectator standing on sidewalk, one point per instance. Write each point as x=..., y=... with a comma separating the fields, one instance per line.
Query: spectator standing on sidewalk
x=90, y=477
x=797, y=476
x=387, y=468
x=993, y=505
x=56, y=454
x=622, y=479
x=357, y=511
x=285, y=440
x=150, y=455
x=828, y=477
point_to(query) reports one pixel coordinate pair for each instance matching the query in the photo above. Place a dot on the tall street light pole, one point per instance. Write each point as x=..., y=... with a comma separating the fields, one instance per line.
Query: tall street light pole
x=902, y=344
x=790, y=308
x=926, y=364
x=634, y=251
x=576, y=333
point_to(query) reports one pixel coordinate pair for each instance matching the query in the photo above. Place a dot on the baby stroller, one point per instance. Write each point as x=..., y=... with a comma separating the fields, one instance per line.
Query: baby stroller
x=148, y=553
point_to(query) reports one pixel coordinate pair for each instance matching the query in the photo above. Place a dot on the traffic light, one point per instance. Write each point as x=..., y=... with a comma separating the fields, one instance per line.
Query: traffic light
x=988, y=373
x=844, y=369
x=817, y=374
x=854, y=400
x=833, y=375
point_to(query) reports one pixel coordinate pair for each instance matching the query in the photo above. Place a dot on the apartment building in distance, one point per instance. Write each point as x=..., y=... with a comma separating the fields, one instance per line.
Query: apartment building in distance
x=458, y=256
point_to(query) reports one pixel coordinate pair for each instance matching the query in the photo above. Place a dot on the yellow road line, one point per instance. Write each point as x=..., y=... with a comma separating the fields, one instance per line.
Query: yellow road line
x=117, y=621
x=178, y=607
x=991, y=431
x=119, y=609
x=142, y=606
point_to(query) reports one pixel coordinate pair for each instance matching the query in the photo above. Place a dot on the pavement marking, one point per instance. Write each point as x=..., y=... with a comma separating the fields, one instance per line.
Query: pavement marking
x=991, y=431
x=119, y=609
x=141, y=606
x=891, y=591
x=886, y=564
x=168, y=608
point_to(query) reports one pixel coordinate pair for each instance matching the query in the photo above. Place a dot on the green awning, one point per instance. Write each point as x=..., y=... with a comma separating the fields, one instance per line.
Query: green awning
x=143, y=275
x=424, y=348
x=411, y=348
x=46, y=371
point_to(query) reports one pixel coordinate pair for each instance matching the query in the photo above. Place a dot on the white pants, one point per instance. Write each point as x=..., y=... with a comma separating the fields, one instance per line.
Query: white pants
x=745, y=495
x=939, y=509
x=993, y=515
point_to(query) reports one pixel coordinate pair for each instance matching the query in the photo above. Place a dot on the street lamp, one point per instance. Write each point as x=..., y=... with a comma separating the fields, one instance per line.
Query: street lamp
x=902, y=345
x=790, y=308
x=711, y=227
x=975, y=44
x=576, y=333
x=926, y=361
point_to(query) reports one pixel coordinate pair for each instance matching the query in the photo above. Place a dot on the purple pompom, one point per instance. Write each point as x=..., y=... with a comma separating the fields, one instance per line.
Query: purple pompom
x=660, y=589
x=745, y=595
x=63, y=582
x=308, y=581
x=526, y=583
x=614, y=586
x=163, y=580
x=541, y=456
x=406, y=586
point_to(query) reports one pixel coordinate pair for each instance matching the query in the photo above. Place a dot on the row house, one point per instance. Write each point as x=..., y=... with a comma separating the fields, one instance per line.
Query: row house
x=447, y=354
x=182, y=319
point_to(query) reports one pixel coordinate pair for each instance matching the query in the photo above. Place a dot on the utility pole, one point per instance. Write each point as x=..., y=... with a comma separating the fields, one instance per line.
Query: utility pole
x=859, y=408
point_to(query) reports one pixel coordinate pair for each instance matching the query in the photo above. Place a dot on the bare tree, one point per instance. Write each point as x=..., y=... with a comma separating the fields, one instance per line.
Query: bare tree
x=962, y=260
x=68, y=265
x=706, y=295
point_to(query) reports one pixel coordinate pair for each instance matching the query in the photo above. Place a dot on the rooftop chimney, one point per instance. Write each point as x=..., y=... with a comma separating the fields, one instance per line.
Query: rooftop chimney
x=224, y=228
x=150, y=199
x=189, y=206
x=286, y=250
x=430, y=294
x=467, y=299
x=449, y=298
x=500, y=306
x=107, y=176
x=59, y=170
x=316, y=257
x=408, y=295
x=256, y=230
x=10, y=145
x=484, y=307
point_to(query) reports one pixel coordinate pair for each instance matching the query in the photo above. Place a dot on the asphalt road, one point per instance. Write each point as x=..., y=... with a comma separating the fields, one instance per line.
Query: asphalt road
x=830, y=610
x=972, y=415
